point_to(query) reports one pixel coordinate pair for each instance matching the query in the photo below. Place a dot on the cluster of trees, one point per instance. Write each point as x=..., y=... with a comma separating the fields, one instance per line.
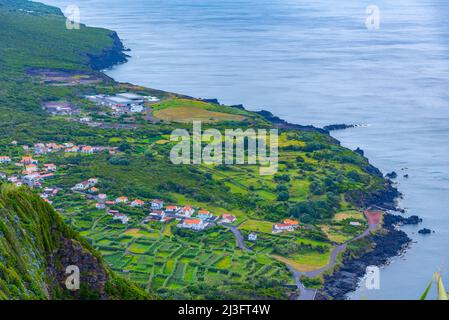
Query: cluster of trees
x=288, y=247
x=310, y=211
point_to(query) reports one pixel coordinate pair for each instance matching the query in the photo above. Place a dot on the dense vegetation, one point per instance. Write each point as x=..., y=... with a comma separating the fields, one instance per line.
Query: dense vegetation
x=34, y=242
x=317, y=179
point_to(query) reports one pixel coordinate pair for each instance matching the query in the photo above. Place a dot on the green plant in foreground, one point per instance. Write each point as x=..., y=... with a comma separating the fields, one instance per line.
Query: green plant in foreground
x=442, y=294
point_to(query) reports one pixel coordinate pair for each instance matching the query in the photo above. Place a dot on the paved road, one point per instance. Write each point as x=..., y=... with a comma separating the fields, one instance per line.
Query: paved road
x=238, y=237
x=303, y=292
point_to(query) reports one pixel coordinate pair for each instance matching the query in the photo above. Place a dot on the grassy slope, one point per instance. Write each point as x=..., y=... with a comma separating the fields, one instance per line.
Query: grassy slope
x=32, y=232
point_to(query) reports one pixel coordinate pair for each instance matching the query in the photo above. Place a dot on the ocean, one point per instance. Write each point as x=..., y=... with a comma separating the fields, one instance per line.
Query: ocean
x=315, y=62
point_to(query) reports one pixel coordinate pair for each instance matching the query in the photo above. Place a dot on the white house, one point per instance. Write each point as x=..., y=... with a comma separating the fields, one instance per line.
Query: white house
x=279, y=227
x=102, y=197
x=121, y=200
x=158, y=213
x=50, y=167
x=100, y=205
x=186, y=211
x=228, y=218
x=194, y=224
x=171, y=209
x=5, y=159
x=122, y=217
x=137, y=203
x=136, y=108
x=252, y=236
x=84, y=185
x=157, y=204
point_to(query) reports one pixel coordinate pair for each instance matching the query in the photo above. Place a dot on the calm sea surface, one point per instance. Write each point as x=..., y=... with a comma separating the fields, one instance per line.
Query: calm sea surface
x=315, y=62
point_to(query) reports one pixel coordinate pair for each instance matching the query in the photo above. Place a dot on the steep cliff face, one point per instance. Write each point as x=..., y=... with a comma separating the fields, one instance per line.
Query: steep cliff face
x=110, y=56
x=36, y=247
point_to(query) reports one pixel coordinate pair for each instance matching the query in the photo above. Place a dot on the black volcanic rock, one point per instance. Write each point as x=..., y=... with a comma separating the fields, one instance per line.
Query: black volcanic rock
x=340, y=126
x=346, y=279
x=392, y=175
x=360, y=151
x=109, y=56
x=425, y=231
x=400, y=220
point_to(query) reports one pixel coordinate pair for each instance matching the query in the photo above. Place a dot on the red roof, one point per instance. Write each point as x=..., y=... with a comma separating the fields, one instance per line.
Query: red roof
x=192, y=221
x=291, y=222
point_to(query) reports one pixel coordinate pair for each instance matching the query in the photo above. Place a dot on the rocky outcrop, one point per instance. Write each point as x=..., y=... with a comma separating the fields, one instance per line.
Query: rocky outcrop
x=109, y=56
x=282, y=124
x=93, y=277
x=340, y=126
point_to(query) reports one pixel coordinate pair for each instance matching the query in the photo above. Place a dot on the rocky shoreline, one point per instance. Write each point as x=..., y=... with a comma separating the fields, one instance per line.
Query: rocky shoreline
x=111, y=56
x=388, y=244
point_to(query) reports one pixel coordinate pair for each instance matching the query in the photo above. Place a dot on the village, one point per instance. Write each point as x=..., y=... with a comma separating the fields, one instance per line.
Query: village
x=31, y=172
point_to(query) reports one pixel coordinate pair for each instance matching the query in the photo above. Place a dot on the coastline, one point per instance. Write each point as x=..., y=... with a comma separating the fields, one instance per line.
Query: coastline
x=384, y=245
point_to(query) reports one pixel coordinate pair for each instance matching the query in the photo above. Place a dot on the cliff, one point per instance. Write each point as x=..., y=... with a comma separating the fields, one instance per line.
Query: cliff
x=36, y=247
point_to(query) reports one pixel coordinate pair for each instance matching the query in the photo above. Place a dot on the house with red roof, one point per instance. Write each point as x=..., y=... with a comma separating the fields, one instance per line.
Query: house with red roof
x=137, y=203
x=5, y=159
x=186, y=211
x=171, y=209
x=157, y=204
x=281, y=227
x=194, y=224
x=121, y=199
x=228, y=218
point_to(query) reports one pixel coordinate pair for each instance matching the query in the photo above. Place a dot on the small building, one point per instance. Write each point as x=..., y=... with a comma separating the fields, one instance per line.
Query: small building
x=50, y=167
x=100, y=205
x=84, y=185
x=135, y=98
x=293, y=223
x=5, y=159
x=92, y=181
x=28, y=160
x=171, y=209
x=204, y=215
x=87, y=150
x=280, y=227
x=157, y=204
x=186, y=211
x=354, y=223
x=252, y=236
x=31, y=168
x=58, y=108
x=122, y=217
x=121, y=200
x=136, y=108
x=102, y=197
x=228, y=218
x=158, y=214
x=137, y=203
x=194, y=224
x=152, y=99
x=93, y=190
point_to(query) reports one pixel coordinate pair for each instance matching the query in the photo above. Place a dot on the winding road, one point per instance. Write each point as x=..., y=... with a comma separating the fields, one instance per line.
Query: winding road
x=303, y=292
